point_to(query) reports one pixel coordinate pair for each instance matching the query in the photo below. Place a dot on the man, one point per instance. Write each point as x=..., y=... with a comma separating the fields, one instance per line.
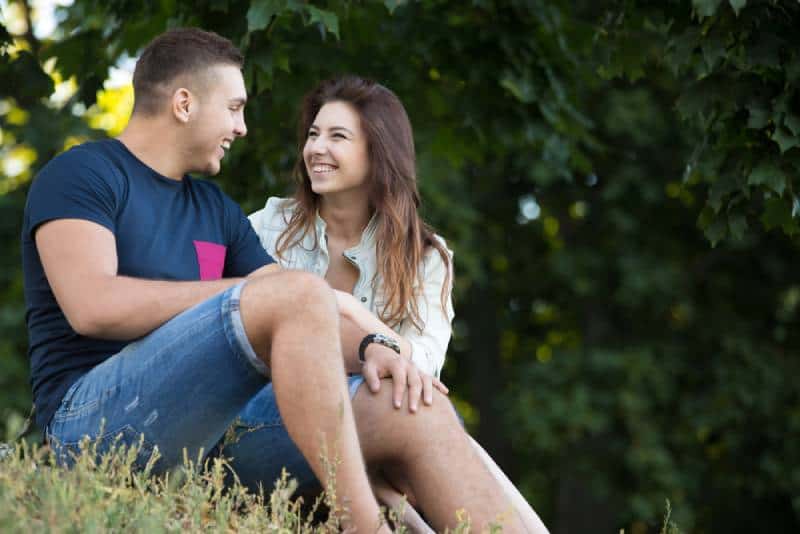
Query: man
x=153, y=310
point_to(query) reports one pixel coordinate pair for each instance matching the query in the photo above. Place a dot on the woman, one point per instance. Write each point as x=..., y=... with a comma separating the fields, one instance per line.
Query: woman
x=354, y=221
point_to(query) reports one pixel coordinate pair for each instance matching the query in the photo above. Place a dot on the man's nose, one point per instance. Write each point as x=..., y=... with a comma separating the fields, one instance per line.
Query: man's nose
x=240, y=129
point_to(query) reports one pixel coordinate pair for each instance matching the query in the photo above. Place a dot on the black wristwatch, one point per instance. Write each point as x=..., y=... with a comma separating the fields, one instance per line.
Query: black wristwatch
x=386, y=341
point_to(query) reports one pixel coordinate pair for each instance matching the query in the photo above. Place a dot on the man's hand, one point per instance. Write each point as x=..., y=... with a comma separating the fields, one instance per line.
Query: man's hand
x=383, y=362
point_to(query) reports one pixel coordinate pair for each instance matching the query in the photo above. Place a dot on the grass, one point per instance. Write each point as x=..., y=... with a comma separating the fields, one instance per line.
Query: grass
x=106, y=494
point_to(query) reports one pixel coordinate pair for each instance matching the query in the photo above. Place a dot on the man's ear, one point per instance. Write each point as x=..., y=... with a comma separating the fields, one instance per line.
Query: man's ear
x=183, y=104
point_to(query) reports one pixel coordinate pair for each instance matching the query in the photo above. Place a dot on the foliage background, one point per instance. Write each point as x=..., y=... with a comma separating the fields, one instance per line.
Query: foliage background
x=618, y=180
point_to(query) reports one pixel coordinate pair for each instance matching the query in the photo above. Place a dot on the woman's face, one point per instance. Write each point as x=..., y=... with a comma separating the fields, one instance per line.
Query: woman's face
x=335, y=153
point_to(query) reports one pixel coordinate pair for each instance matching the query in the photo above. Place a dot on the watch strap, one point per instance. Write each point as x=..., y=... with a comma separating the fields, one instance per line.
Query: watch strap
x=381, y=339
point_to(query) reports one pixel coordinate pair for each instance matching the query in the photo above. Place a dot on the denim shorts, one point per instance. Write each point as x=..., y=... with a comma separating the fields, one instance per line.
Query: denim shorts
x=182, y=387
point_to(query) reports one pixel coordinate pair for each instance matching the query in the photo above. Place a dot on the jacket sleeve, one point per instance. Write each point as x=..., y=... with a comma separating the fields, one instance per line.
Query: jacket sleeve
x=268, y=224
x=428, y=346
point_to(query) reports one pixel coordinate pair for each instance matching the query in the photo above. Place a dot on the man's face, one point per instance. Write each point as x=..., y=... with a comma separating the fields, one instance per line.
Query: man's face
x=217, y=119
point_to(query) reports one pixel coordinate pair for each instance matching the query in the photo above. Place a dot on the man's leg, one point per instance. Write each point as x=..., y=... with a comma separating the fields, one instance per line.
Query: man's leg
x=291, y=320
x=185, y=383
x=181, y=386
x=430, y=452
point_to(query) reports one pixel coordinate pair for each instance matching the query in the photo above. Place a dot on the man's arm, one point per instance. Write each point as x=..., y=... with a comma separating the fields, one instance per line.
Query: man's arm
x=80, y=261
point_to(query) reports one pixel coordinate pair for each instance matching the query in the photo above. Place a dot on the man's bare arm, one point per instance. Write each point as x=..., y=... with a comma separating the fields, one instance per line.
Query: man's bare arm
x=80, y=261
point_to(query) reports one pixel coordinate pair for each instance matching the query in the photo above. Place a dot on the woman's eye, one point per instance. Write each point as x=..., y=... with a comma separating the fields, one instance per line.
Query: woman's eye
x=312, y=133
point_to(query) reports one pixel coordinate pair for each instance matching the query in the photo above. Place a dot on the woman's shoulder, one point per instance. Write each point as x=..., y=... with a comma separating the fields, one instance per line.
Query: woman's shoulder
x=274, y=215
x=433, y=260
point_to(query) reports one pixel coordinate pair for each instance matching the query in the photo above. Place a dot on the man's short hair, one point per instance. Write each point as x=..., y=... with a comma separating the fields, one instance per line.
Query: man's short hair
x=177, y=52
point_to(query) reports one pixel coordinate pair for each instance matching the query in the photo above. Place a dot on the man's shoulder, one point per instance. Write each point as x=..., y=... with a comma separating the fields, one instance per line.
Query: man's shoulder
x=96, y=157
x=104, y=151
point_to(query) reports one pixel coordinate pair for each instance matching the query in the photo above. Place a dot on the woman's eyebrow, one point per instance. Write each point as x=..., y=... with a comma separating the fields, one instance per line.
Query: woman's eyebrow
x=341, y=128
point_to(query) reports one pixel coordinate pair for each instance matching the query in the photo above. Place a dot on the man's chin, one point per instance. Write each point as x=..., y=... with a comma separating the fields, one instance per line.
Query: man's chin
x=212, y=169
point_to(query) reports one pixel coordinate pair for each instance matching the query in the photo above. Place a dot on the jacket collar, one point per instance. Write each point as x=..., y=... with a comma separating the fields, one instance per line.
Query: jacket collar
x=367, y=242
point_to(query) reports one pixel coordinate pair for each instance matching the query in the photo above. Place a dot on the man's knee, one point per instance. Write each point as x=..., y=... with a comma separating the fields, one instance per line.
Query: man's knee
x=274, y=302
x=288, y=293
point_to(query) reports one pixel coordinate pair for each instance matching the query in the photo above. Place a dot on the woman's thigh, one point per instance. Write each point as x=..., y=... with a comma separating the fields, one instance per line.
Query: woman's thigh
x=179, y=387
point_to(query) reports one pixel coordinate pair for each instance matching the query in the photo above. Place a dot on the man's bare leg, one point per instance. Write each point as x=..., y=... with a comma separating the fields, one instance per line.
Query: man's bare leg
x=434, y=455
x=291, y=320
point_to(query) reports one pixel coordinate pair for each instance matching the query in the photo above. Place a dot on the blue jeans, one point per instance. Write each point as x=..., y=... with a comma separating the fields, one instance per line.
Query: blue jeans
x=181, y=387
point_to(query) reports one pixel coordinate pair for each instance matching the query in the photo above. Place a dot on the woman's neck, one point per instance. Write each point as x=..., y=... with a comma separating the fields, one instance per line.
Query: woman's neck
x=345, y=217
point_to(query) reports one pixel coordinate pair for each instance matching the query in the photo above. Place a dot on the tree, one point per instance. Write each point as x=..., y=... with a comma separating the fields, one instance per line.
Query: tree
x=617, y=182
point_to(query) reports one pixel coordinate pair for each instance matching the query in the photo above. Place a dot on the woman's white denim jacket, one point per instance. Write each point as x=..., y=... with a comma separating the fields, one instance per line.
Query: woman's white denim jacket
x=427, y=347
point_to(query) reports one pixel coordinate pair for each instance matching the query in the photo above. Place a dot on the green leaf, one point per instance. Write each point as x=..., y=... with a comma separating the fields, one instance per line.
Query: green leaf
x=758, y=118
x=723, y=186
x=328, y=19
x=784, y=139
x=32, y=83
x=391, y=5
x=713, y=49
x=716, y=231
x=261, y=12
x=218, y=5
x=768, y=175
x=778, y=213
x=737, y=5
x=737, y=224
x=520, y=88
x=5, y=37
x=706, y=8
x=792, y=122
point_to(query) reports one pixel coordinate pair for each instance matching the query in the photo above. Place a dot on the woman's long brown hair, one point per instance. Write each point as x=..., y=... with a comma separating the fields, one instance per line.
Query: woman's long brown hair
x=402, y=237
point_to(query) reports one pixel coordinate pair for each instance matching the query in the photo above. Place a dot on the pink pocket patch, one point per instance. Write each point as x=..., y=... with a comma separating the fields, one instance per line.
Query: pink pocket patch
x=211, y=259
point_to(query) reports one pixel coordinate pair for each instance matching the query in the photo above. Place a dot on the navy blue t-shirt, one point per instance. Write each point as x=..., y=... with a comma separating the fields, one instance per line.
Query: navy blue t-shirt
x=164, y=229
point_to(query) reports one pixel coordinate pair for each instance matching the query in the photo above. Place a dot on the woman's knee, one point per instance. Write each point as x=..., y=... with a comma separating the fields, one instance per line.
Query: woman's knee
x=377, y=409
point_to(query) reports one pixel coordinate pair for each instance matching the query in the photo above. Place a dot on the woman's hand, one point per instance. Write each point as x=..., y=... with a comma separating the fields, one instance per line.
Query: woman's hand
x=383, y=362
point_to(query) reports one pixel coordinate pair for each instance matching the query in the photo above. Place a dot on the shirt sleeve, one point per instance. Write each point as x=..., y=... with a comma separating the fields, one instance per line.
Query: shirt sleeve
x=246, y=253
x=75, y=185
x=429, y=346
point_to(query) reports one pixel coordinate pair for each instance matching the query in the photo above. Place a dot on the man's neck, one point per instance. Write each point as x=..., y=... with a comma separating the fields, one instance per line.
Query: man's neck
x=152, y=142
x=345, y=217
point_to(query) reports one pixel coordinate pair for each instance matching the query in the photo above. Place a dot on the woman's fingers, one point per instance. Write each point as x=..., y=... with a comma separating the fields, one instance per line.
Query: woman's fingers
x=370, y=374
x=414, y=389
x=399, y=382
x=427, y=388
x=440, y=386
